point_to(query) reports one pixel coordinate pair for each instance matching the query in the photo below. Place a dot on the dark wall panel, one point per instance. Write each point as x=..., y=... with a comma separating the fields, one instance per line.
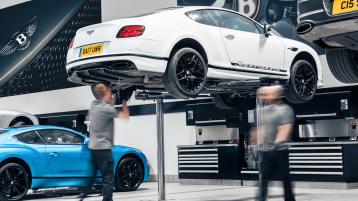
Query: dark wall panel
x=41, y=65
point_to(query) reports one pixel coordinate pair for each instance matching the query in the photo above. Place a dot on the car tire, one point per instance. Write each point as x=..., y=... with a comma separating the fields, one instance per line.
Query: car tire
x=18, y=123
x=129, y=174
x=185, y=76
x=122, y=94
x=226, y=101
x=302, y=84
x=343, y=64
x=14, y=182
x=274, y=11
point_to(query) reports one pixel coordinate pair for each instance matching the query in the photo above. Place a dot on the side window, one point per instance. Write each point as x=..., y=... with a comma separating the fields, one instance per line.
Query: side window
x=234, y=21
x=201, y=16
x=57, y=136
x=29, y=138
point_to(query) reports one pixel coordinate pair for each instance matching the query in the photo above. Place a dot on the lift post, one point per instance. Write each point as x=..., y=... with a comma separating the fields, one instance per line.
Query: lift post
x=160, y=150
x=258, y=125
x=158, y=97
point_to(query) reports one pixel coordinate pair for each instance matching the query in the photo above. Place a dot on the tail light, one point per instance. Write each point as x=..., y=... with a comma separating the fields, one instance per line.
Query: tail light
x=131, y=31
x=71, y=43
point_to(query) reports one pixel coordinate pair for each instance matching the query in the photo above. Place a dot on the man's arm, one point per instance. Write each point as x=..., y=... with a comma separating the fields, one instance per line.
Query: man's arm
x=124, y=114
x=283, y=133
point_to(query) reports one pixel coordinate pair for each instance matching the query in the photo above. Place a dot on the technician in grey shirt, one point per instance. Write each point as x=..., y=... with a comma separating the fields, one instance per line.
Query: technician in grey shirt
x=276, y=120
x=101, y=116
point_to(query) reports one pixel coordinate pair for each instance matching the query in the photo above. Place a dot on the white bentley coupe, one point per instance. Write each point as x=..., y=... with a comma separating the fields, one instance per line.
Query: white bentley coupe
x=191, y=50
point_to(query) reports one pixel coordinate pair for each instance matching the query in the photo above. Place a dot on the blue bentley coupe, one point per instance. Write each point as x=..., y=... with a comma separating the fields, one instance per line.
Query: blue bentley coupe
x=39, y=157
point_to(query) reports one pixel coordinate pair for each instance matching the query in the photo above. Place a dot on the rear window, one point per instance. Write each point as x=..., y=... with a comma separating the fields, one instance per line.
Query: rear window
x=201, y=16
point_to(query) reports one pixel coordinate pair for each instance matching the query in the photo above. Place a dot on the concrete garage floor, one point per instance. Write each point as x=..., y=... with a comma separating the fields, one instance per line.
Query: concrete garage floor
x=177, y=192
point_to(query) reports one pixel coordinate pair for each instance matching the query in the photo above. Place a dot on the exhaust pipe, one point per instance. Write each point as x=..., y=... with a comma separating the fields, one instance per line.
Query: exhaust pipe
x=304, y=28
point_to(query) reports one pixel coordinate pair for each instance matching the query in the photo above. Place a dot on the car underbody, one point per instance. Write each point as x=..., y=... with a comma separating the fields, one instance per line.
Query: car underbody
x=123, y=74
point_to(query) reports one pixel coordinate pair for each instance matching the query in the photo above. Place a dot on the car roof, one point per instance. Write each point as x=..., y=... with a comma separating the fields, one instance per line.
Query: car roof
x=186, y=9
x=181, y=9
x=193, y=8
x=20, y=129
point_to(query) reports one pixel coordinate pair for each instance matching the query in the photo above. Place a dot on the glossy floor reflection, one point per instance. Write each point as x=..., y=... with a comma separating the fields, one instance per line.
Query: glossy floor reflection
x=148, y=192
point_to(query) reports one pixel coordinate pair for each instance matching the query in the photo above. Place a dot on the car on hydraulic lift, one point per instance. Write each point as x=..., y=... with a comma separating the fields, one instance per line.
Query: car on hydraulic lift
x=333, y=24
x=40, y=157
x=191, y=50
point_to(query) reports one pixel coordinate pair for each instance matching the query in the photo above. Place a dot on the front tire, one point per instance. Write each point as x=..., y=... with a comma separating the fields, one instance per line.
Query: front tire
x=302, y=85
x=129, y=174
x=185, y=76
x=343, y=64
x=14, y=182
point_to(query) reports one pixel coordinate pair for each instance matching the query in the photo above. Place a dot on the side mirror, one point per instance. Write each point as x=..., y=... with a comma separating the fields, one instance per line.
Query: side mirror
x=267, y=30
x=86, y=141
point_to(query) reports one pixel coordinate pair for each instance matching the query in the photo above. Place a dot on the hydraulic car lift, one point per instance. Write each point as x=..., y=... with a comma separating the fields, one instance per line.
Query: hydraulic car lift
x=158, y=97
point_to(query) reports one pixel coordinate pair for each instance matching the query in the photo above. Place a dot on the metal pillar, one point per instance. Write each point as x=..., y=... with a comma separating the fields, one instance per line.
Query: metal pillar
x=160, y=149
x=258, y=135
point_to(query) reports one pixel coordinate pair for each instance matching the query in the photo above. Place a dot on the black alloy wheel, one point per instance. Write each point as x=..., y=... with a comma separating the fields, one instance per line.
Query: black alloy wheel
x=303, y=82
x=186, y=74
x=14, y=182
x=129, y=174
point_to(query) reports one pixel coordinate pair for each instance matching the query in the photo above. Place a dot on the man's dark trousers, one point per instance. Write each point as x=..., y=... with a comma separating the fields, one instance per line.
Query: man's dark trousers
x=102, y=160
x=275, y=165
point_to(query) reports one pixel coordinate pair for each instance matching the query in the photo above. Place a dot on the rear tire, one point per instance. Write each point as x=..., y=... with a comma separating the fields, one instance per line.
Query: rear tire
x=122, y=94
x=185, y=76
x=129, y=174
x=302, y=84
x=274, y=11
x=227, y=101
x=343, y=64
x=14, y=182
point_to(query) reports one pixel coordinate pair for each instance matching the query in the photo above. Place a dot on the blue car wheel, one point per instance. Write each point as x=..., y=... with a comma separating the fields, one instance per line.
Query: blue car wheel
x=129, y=174
x=14, y=182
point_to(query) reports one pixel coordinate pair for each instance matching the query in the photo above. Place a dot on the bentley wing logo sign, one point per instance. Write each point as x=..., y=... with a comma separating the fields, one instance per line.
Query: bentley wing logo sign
x=21, y=39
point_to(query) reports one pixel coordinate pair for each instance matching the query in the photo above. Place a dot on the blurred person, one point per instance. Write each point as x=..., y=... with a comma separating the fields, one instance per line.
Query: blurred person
x=101, y=116
x=276, y=120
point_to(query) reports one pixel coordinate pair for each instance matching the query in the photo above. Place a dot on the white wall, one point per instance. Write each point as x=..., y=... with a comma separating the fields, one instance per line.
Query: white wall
x=114, y=9
x=8, y=3
x=63, y=100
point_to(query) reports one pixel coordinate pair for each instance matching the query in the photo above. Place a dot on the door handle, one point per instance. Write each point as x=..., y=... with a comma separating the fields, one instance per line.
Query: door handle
x=54, y=154
x=230, y=37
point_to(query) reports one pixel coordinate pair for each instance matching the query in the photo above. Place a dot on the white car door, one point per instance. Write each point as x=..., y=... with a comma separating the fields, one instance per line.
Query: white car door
x=247, y=47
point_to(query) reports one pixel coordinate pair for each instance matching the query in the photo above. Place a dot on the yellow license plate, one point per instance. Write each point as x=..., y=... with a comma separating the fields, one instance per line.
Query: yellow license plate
x=91, y=50
x=344, y=6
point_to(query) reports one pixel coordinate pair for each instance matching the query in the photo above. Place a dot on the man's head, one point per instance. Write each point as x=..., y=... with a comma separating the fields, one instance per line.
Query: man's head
x=270, y=94
x=104, y=92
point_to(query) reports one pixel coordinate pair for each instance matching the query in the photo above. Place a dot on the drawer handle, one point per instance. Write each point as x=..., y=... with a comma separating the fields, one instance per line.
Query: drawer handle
x=317, y=115
x=211, y=121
